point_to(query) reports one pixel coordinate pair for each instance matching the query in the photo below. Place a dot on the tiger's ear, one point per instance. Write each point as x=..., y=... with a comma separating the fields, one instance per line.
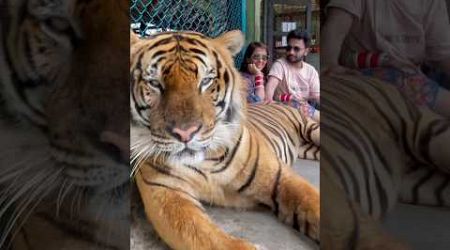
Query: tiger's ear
x=133, y=38
x=232, y=40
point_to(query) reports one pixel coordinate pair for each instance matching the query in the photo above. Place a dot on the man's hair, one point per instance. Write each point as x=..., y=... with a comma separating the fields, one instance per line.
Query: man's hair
x=299, y=34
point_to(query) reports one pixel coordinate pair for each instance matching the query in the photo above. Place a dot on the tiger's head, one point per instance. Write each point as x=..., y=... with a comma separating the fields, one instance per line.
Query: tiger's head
x=186, y=95
x=64, y=114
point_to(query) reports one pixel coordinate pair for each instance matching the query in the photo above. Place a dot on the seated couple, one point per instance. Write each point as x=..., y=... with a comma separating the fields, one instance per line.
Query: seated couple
x=290, y=80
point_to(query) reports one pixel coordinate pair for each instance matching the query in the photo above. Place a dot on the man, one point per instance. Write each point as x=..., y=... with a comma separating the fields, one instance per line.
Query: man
x=293, y=81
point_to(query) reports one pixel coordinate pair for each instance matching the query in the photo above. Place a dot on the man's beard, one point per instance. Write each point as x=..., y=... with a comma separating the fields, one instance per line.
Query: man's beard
x=295, y=59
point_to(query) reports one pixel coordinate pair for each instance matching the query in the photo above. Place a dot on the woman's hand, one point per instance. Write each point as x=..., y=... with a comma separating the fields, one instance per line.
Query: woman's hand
x=254, y=70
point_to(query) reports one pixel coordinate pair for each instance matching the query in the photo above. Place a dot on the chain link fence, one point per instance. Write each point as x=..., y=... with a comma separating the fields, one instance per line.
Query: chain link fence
x=210, y=17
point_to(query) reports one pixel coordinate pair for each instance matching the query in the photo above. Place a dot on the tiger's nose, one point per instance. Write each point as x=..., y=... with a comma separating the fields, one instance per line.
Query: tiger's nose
x=186, y=134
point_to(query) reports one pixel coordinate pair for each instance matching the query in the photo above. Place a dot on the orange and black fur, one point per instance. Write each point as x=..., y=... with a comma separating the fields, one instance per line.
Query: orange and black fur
x=194, y=140
x=64, y=161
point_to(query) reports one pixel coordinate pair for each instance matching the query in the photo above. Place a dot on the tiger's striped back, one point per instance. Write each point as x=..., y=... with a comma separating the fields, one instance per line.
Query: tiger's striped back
x=375, y=138
x=286, y=130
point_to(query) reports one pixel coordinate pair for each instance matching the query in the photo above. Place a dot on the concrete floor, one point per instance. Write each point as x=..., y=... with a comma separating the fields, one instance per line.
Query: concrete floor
x=258, y=226
x=422, y=227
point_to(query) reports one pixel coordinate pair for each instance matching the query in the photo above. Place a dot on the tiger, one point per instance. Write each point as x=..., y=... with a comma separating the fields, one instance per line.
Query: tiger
x=64, y=161
x=379, y=149
x=194, y=140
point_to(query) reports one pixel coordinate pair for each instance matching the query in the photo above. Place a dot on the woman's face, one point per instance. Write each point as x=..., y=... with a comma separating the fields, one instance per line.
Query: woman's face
x=259, y=58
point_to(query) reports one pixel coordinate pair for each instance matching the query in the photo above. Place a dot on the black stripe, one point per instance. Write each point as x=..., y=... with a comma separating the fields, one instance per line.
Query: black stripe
x=287, y=113
x=375, y=102
x=305, y=153
x=226, y=77
x=295, y=224
x=195, y=42
x=220, y=158
x=198, y=58
x=253, y=173
x=167, y=69
x=218, y=63
x=221, y=104
x=201, y=44
x=197, y=51
x=382, y=194
x=230, y=157
x=150, y=183
x=29, y=55
x=198, y=171
x=354, y=181
x=434, y=129
x=166, y=171
x=135, y=85
x=311, y=130
x=160, y=42
x=352, y=125
x=317, y=152
x=275, y=191
x=261, y=133
x=359, y=154
x=307, y=228
x=277, y=129
x=439, y=192
x=157, y=62
x=143, y=108
x=415, y=189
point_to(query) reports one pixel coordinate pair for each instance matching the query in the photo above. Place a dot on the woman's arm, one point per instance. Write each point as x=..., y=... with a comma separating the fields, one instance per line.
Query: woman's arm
x=334, y=31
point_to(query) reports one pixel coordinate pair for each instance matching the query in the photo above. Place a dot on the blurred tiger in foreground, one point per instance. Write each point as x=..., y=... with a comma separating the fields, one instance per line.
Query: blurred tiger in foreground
x=64, y=161
x=193, y=140
x=379, y=149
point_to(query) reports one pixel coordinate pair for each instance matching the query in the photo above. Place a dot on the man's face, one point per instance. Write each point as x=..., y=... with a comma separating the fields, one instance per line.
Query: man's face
x=296, y=50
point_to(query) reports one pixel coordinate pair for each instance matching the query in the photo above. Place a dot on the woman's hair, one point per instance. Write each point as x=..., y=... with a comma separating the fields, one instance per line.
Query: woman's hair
x=248, y=54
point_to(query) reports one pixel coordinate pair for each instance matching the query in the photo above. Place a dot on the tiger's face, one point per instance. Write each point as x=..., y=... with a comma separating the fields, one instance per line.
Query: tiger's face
x=186, y=96
x=65, y=86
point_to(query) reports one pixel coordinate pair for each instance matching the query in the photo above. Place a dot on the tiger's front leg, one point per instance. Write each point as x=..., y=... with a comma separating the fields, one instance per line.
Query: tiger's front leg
x=292, y=198
x=181, y=221
x=298, y=203
x=346, y=226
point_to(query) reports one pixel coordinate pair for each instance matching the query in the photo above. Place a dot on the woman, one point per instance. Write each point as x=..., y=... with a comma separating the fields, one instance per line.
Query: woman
x=254, y=70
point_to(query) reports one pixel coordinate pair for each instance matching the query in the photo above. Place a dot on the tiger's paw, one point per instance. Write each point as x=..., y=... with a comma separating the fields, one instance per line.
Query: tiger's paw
x=307, y=221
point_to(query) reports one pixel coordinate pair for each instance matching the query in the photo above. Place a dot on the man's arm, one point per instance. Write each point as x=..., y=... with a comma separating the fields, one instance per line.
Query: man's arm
x=437, y=37
x=315, y=98
x=314, y=87
x=272, y=84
